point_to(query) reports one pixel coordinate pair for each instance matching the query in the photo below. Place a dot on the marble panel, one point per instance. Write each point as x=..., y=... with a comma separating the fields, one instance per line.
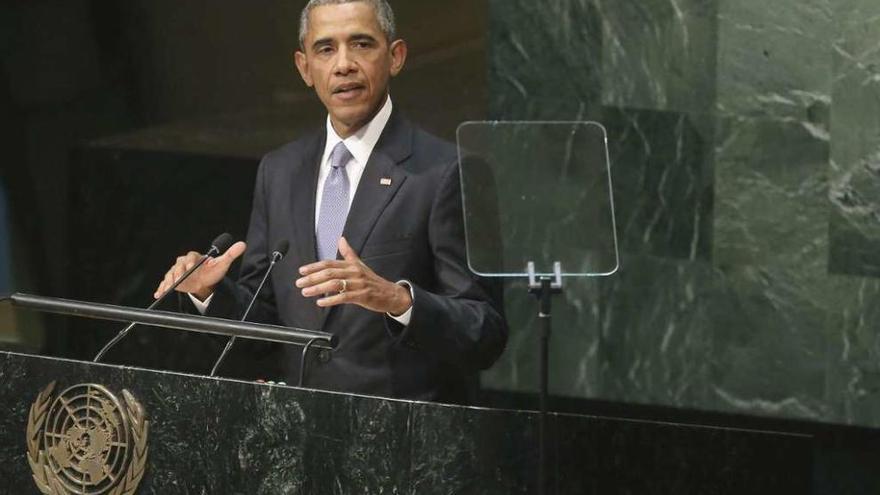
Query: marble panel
x=661, y=165
x=774, y=60
x=854, y=350
x=750, y=340
x=771, y=343
x=513, y=451
x=659, y=54
x=574, y=364
x=771, y=190
x=656, y=337
x=855, y=149
x=660, y=169
x=233, y=437
x=543, y=51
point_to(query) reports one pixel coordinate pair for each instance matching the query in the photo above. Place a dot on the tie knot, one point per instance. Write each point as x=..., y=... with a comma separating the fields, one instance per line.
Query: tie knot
x=340, y=156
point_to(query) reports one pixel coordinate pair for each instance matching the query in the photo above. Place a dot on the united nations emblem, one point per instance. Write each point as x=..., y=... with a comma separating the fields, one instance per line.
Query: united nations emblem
x=86, y=442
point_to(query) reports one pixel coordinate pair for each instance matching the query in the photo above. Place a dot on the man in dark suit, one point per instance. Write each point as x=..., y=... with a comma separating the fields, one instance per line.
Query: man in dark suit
x=371, y=206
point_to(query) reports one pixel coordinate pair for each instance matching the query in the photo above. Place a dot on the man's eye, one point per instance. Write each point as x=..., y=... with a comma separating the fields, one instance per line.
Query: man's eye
x=324, y=50
x=362, y=44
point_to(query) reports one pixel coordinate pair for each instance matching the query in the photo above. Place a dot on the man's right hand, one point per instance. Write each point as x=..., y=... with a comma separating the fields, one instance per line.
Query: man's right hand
x=202, y=282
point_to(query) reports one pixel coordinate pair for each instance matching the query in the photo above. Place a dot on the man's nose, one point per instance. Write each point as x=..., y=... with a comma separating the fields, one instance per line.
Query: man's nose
x=345, y=63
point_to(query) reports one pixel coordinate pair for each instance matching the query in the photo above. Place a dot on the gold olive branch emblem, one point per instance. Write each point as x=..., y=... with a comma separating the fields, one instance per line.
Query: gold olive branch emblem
x=93, y=442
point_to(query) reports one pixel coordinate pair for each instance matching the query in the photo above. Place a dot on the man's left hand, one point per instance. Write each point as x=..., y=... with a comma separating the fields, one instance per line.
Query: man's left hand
x=350, y=281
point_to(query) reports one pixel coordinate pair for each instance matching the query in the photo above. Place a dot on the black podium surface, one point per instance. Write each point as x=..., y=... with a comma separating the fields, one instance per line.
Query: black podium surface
x=220, y=436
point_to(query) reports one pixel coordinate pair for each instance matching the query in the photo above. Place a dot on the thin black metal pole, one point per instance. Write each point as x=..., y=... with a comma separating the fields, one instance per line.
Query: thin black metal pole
x=546, y=298
x=302, y=363
x=231, y=341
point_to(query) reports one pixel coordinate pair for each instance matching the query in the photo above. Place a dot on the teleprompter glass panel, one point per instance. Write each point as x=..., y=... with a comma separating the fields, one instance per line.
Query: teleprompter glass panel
x=537, y=192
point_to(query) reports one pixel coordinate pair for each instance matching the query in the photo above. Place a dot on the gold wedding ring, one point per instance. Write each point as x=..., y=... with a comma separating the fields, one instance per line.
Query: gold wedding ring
x=344, y=286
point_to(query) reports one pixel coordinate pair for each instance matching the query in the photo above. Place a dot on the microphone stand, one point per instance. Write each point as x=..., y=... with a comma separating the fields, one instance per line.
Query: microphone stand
x=122, y=333
x=276, y=257
x=302, y=362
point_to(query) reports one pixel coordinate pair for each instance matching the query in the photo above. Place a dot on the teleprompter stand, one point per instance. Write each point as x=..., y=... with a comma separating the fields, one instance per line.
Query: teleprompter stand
x=536, y=195
x=543, y=287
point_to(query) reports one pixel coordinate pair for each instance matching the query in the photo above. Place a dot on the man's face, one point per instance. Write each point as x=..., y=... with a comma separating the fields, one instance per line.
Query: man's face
x=349, y=62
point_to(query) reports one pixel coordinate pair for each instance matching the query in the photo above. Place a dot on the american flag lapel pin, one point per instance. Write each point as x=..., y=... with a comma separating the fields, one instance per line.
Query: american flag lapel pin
x=385, y=181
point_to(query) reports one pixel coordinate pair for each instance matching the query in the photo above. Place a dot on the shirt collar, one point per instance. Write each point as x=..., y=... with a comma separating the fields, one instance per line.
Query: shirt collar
x=362, y=142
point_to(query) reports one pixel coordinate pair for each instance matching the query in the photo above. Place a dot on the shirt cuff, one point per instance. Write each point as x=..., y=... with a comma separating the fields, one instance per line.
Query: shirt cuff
x=202, y=306
x=406, y=317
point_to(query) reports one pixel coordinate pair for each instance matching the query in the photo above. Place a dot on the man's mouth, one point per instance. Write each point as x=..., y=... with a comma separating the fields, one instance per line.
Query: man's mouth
x=348, y=89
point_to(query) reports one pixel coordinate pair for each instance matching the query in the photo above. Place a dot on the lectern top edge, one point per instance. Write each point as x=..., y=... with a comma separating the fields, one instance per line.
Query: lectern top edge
x=176, y=321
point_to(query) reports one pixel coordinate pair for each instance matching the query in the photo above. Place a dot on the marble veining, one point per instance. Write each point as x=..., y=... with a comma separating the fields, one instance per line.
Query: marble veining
x=231, y=437
x=744, y=139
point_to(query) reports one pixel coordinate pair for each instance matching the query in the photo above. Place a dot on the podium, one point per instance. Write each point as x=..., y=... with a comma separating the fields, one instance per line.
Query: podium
x=180, y=433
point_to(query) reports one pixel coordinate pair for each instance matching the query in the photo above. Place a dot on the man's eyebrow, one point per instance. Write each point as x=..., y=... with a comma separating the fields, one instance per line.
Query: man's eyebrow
x=322, y=42
x=355, y=37
x=361, y=37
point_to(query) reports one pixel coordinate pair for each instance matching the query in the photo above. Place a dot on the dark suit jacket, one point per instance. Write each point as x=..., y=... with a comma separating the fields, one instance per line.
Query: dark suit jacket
x=409, y=230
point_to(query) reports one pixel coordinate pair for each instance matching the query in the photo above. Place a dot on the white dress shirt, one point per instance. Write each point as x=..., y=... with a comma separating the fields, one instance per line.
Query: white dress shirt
x=360, y=145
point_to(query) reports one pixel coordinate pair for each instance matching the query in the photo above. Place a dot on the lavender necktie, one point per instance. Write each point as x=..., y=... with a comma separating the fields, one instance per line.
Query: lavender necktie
x=334, y=204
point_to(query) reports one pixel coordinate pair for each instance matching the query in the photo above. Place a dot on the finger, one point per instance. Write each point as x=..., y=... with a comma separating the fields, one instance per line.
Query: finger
x=347, y=297
x=329, y=287
x=347, y=251
x=163, y=286
x=233, y=253
x=321, y=265
x=189, y=259
x=178, y=272
x=182, y=265
x=323, y=276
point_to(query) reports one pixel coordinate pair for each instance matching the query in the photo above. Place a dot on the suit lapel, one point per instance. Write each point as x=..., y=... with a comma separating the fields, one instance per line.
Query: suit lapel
x=303, y=193
x=380, y=181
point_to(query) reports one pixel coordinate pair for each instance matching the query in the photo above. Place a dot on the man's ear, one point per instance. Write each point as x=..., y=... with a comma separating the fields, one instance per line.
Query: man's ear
x=398, y=56
x=302, y=65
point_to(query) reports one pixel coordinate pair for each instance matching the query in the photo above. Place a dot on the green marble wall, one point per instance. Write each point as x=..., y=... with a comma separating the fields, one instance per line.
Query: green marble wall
x=745, y=146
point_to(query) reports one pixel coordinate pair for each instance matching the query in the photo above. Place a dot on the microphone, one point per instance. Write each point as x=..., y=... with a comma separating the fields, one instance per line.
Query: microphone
x=220, y=245
x=279, y=252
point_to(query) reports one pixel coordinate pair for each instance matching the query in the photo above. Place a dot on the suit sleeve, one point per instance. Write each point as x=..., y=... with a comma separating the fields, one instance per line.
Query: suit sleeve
x=461, y=319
